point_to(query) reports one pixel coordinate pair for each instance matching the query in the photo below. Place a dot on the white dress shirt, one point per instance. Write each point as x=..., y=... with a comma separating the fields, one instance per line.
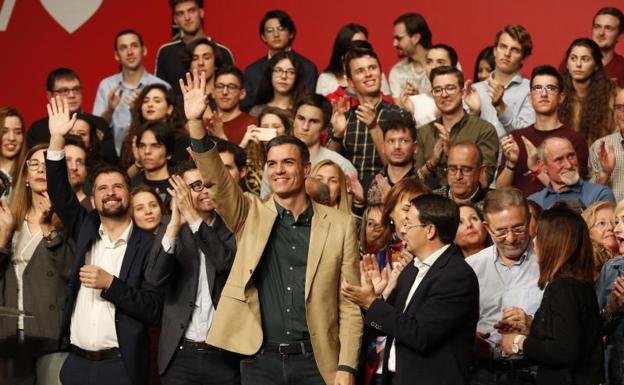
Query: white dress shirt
x=204, y=310
x=423, y=268
x=93, y=320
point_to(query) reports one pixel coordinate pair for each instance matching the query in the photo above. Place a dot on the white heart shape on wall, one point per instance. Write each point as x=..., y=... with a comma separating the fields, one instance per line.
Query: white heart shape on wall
x=71, y=14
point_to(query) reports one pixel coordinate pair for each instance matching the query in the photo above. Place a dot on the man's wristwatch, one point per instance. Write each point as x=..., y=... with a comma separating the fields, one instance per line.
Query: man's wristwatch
x=515, y=347
x=510, y=166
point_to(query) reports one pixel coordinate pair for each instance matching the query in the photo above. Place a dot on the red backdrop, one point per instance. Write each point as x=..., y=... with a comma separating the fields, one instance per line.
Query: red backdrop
x=34, y=43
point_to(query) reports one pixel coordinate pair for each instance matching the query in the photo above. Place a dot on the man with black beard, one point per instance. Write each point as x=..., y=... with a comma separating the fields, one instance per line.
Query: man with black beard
x=109, y=305
x=558, y=158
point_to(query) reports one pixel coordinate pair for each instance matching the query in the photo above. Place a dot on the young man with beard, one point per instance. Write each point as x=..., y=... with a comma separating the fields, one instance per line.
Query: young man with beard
x=356, y=131
x=606, y=159
x=607, y=28
x=558, y=157
x=76, y=157
x=117, y=93
x=507, y=272
x=412, y=39
x=229, y=91
x=188, y=15
x=454, y=126
x=191, y=267
x=517, y=168
x=109, y=304
x=502, y=99
x=464, y=169
x=399, y=135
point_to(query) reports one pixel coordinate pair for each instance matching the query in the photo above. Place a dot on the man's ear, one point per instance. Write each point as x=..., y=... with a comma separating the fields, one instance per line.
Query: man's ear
x=243, y=172
x=117, y=56
x=242, y=94
x=415, y=38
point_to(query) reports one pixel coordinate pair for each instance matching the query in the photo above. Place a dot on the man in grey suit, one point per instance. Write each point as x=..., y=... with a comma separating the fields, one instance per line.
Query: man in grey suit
x=191, y=267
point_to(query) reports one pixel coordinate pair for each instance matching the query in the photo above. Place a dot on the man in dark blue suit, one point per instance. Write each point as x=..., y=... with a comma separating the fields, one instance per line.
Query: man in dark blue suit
x=431, y=314
x=109, y=304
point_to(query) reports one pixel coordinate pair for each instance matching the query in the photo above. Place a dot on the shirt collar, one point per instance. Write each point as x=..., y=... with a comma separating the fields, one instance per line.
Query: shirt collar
x=517, y=79
x=125, y=236
x=574, y=188
x=460, y=123
x=524, y=257
x=305, y=217
x=431, y=259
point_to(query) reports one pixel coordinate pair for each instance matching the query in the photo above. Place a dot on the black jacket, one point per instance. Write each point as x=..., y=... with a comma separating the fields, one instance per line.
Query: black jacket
x=137, y=304
x=178, y=275
x=435, y=335
x=566, y=335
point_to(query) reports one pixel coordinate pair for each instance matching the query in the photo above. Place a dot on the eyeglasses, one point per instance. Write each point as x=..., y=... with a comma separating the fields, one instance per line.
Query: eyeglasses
x=34, y=164
x=450, y=90
x=197, y=186
x=66, y=91
x=408, y=226
x=279, y=28
x=465, y=170
x=281, y=72
x=516, y=230
x=550, y=89
x=602, y=224
x=229, y=86
x=618, y=107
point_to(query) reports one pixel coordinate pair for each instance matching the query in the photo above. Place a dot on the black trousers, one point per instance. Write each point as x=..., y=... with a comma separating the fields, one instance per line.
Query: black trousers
x=80, y=371
x=202, y=367
x=277, y=369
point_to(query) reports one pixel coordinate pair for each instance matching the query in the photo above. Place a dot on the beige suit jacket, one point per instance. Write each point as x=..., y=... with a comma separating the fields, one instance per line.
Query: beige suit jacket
x=335, y=325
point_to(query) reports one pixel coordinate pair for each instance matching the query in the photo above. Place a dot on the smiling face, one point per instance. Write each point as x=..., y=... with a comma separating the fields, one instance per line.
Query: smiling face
x=286, y=170
x=201, y=199
x=561, y=162
x=154, y=106
x=146, y=211
x=580, y=63
x=404, y=43
x=365, y=76
x=111, y=197
x=12, y=138
x=400, y=210
x=471, y=232
x=513, y=223
x=449, y=100
x=601, y=230
x=619, y=229
x=374, y=227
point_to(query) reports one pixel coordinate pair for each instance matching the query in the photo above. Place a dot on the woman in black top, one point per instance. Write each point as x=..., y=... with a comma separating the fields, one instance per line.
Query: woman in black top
x=565, y=337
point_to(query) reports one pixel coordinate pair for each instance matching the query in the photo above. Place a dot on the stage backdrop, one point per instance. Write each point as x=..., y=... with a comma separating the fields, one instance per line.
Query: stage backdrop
x=39, y=35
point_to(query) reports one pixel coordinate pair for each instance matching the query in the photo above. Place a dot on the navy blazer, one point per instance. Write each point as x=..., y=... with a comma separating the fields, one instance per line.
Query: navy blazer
x=178, y=274
x=435, y=335
x=137, y=304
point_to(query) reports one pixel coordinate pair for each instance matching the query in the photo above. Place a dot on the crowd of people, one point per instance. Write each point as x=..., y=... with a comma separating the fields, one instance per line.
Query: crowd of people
x=212, y=225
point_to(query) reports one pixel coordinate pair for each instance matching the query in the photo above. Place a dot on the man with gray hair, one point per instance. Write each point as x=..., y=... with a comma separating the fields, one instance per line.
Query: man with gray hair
x=558, y=158
x=508, y=273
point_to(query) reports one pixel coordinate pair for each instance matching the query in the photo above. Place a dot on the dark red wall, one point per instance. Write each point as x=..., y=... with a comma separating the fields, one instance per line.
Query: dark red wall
x=34, y=43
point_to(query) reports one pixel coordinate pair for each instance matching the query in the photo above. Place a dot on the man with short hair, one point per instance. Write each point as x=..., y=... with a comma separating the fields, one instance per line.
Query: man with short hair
x=188, y=16
x=76, y=157
x=229, y=91
x=558, y=158
x=454, y=126
x=312, y=117
x=281, y=302
x=517, y=168
x=431, y=314
x=277, y=31
x=606, y=156
x=64, y=82
x=464, y=170
x=607, y=28
x=109, y=304
x=117, y=93
x=508, y=272
x=356, y=131
x=502, y=99
x=412, y=39
x=399, y=135
x=234, y=159
x=191, y=268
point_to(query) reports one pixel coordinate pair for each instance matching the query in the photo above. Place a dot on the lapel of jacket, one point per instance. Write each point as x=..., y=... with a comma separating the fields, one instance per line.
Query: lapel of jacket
x=134, y=244
x=318, y=237
x=434, y=270
x=262, y=226
x=404, y=284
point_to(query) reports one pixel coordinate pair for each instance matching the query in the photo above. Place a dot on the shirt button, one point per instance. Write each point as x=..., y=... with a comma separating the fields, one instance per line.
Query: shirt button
x=287, y=333
x=287, y=310
x=290, y=268
x=293, y=247
x=288, y=288
x=294, y=227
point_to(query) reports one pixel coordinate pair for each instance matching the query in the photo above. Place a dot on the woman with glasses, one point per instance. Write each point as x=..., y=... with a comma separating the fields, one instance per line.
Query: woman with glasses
x=283, y=83
x=600, y=221
x=35, y=262
x=565, y=336
x=590, y=95
x=12, y=147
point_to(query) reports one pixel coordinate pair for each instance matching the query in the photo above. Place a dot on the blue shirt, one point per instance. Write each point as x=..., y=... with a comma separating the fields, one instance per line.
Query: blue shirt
x=585, y=192
x=519, y=112
x=121, y=118
x=502, y=286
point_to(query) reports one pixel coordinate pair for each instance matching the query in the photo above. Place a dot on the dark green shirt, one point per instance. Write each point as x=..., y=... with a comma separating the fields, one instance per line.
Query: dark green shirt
x=280, y=278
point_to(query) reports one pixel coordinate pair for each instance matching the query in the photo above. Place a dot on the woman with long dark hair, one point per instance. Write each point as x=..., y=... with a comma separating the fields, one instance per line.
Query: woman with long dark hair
x=590, y=95
x=565, y=337
x=12, y=147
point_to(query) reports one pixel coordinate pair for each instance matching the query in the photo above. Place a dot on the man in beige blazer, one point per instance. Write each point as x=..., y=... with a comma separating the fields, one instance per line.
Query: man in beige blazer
x=281, y=303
